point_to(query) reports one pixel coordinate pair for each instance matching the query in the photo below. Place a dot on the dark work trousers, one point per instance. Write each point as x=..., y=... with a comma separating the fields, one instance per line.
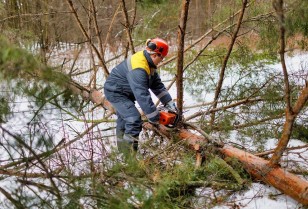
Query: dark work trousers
x=129, y=120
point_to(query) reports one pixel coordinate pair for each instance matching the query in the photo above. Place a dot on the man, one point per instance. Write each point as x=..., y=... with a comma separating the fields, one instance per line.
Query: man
x=130, y=81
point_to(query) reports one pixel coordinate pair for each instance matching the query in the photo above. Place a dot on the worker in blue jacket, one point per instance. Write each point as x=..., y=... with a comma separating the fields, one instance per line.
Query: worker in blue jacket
x=131, y=80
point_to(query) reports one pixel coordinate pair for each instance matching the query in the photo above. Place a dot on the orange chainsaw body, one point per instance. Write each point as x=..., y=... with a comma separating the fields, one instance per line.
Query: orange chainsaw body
x=167, y=118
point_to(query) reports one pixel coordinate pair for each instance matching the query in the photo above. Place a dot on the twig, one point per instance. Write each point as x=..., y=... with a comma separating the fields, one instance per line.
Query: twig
x=261, y=154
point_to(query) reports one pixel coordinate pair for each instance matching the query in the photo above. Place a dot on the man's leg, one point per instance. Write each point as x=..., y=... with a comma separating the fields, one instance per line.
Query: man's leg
x=132, y=141
x=122, y=145
x=129, y=116
x=120, y=129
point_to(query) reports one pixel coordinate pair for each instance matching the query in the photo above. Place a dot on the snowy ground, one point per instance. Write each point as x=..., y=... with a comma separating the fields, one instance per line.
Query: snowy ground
x=260, y=196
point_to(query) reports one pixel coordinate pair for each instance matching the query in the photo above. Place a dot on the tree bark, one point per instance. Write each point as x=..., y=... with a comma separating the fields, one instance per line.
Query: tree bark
x=180, y=55
x=277, y=177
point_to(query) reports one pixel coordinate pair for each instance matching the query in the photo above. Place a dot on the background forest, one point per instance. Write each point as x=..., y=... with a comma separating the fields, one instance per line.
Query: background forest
x=229, y=69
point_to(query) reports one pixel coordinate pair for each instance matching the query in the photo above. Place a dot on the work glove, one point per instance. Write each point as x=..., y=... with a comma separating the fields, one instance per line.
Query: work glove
x=154, y=123
x=154, y=120
x=171, y=107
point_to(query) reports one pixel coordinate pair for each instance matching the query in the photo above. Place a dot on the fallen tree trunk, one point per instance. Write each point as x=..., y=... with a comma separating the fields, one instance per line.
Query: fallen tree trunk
x=277, y=177
x=259, y=168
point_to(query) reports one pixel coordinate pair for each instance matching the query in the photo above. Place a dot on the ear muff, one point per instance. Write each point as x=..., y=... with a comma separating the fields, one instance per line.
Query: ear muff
x=152, y=45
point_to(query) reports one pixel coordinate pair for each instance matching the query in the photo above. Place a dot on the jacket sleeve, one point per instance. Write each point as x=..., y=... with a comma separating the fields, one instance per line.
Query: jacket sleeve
x=159, y=89
x=139, y=83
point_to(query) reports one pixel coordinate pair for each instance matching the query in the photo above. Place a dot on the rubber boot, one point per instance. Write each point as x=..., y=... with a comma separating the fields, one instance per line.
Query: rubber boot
x=128, y=143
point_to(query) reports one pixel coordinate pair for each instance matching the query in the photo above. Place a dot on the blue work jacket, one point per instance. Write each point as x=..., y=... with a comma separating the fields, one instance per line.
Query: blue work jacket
x=133, y=78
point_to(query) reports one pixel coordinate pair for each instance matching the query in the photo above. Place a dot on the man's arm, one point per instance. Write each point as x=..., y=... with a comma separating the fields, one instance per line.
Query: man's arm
x=159, y=89
x=138, y=81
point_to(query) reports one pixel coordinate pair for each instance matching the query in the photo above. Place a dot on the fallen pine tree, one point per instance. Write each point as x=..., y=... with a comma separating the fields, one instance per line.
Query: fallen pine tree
x=259, y=168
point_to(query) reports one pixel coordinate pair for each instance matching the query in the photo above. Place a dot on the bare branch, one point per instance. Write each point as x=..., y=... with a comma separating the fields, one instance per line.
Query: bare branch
x=34, y=15
x=261, y=154
x=111, y=24
x=83, y=30
x=128, y=27
x=16, y=203
x=225, y=61
x=235, y=104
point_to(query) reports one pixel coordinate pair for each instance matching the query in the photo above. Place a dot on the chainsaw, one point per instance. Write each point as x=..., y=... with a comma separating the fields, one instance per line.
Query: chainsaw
x=167, y=117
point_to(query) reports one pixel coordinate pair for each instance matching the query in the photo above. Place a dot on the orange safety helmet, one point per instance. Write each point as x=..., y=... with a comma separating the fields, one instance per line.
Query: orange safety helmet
x=158, y=45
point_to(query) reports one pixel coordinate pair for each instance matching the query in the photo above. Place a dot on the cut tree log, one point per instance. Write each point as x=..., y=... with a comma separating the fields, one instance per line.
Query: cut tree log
x=286, y=182
x=277, y=177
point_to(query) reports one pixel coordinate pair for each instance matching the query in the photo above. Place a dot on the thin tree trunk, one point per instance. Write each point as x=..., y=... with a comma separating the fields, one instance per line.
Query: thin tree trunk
x=291, y=112
x=92, y=57
x=278, y=6
x=288, y=126
x=180, y=55
x=99, y=40
x=225, y=61
x=110, y=26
